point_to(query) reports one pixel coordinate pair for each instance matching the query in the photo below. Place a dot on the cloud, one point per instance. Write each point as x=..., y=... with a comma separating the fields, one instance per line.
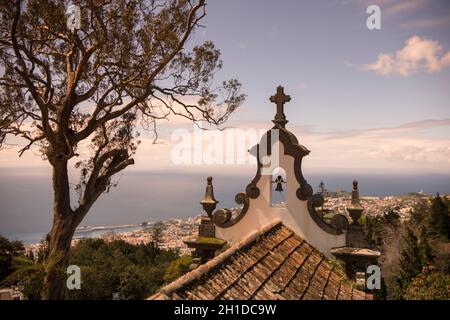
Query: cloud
x=407, y=148
x=425, y=124
x=390, y=7
x=401, y=149
x=242, y=45
x=403, y=129
x=411, y=153
x=349, y=64
x=417, y=54
x=427, y=23
x=400, y=7
x=405, y=13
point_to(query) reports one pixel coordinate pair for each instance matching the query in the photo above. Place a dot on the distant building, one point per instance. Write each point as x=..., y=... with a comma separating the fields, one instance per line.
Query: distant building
x=10, y=294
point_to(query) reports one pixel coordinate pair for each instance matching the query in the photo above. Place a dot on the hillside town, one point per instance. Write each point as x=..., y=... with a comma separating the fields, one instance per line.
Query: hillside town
x=175, y=231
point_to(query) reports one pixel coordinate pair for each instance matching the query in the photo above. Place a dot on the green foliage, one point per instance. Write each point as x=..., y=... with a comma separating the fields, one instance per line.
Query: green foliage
x=381, y=294
x=8, y=250
x=18, y=269
x=420, y=214
x=392, y=217
x=94, y=285
x=415, y=255
x=426, y=253
x=133, y=283
x=157, y=233
x=133, y=271
x=177, y=268
x=211, y=240
x=409, y=240
x=440, y=217
x=429, y=285
x=29, y=278
x=375, y=227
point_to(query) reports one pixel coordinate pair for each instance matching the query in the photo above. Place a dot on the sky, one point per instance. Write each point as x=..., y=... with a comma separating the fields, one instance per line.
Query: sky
x=363, y=101
x=345, y=102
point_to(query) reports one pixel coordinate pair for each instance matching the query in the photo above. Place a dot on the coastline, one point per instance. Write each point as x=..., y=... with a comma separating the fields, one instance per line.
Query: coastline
x=174, y=231
x=180, y=228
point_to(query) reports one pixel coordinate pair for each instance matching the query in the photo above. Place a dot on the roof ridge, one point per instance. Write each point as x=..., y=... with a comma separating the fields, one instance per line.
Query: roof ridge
x=226, y=259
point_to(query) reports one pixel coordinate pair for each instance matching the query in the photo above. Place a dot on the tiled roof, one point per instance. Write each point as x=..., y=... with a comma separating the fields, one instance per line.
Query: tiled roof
x=272, y=263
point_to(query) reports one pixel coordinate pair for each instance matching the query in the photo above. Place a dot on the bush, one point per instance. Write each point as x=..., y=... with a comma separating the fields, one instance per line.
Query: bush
x=8, y=250
x=29, y=279
x=132, y=271
x=429, y=285
x=177, y=268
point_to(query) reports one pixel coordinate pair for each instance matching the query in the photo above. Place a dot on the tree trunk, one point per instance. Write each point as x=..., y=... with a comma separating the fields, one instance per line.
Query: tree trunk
x=60, y=237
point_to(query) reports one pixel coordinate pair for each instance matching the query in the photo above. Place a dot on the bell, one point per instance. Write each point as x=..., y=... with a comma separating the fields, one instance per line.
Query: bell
x=279, y=181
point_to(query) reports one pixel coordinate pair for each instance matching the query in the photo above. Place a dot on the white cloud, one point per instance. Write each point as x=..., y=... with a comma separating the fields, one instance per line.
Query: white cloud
x=412, y=153
x=390, y=7
x=399, y=7
x=417, y=54
x=427, y=23
x=402, y=149
x=407, y=148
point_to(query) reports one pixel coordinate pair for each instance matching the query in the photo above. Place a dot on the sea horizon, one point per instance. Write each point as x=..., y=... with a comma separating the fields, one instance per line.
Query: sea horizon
x=157, y=196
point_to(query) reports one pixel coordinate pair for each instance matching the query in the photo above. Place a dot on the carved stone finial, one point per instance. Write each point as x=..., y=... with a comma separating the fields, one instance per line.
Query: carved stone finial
x=206, y=244
x=355, y=209
x=356, y=254
x=209, y=202
x=355, y=235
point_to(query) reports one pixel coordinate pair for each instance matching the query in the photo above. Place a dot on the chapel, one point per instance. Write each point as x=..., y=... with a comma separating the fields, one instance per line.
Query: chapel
x=285, y=250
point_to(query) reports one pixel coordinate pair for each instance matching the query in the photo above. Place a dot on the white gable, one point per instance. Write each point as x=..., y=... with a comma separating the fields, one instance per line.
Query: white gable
x=280, y=148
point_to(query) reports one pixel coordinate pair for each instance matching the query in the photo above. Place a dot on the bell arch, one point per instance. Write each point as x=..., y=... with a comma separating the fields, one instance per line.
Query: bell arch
x=278, y=190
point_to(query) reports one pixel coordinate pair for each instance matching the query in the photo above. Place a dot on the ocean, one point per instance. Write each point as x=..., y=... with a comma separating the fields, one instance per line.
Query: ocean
x=26, y=203
x=36, y=237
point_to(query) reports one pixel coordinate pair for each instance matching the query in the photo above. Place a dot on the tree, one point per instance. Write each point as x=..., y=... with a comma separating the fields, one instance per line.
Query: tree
x=440, y=217
x=381, y=229
x=322, y=189
x=426, y=253
x=83, y=96
x=133, y=284
x=8, y=251
x=157, y=234
x=392, y=218
x=133, y=271
x=416, y=254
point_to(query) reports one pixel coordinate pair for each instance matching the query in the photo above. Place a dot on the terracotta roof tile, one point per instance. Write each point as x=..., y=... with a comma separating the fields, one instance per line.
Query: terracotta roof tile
x=332, y=287
x=272, y=263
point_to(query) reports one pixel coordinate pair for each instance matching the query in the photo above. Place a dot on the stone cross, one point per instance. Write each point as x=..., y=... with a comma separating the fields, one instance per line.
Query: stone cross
x=280, y=99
